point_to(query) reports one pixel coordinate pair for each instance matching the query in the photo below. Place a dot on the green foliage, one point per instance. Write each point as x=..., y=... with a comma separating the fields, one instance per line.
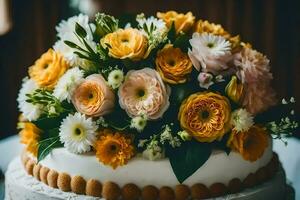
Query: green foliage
x=105, y=24
x=48, y=123
x=182, y=42
x=45, y=146
x=187, y=159
x=51, y=106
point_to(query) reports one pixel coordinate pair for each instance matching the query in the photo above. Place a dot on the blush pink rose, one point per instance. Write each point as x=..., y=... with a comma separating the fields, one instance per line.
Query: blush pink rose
x=144, y=93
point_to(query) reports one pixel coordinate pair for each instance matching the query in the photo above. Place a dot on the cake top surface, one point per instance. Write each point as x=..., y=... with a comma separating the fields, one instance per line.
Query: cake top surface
x=170, y=86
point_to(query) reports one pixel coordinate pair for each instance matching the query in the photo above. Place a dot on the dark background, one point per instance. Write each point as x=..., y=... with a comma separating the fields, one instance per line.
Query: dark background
x=271, y=26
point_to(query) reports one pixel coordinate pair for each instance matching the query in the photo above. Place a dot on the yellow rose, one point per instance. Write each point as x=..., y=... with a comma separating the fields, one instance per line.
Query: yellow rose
x=126, y=43
x=48, y=69
x=234, y=90
x=182, y=22
x=30, y=135
x=250, y=144
x=205, y=116
x=173, y=65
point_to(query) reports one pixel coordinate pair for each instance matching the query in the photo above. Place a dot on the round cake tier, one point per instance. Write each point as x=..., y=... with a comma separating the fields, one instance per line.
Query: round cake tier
x=21, y=186
x=219, y=168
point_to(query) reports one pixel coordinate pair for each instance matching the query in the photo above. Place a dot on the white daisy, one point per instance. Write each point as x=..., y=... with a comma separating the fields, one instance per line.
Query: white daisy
x=211, y=52
x=67, y=84
x=65, y=31
x=30, y=112
x=138, y=123
x=78, y=133
x=242, y=120
x=115, y=78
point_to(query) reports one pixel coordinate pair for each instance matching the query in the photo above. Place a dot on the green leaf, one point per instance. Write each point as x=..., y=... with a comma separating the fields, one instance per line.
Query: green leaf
x=45, y=146
x=80, y=31
x=182, y=42
x=172, y=33
x=48, y=123
x=187, y=159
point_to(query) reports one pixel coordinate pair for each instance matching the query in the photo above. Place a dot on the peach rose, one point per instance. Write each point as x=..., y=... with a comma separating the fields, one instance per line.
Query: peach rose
x=93, y=96
x=182, y=22
x=144, y=93
x=48, y=69
x=126, y=43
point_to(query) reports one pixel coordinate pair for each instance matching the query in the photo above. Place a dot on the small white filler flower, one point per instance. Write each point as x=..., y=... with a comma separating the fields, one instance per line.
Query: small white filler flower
x=139, y=123
x=115, y=78
x=241, y=119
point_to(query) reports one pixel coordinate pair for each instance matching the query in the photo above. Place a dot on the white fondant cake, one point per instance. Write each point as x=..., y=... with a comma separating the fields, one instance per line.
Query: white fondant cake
x=219, y=168
x=21, y=186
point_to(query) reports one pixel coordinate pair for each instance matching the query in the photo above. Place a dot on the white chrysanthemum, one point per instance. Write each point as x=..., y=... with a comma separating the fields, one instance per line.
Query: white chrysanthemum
x=78, y=133
x=67, y=84
x=241, y=120
x=138, y=123
x=65, y=31
x=211, y=52
x=30, y=112
x=115, y=78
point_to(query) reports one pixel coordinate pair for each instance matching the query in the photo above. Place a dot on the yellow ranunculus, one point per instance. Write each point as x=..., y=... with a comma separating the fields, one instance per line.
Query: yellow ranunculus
x=48, y=69
x=250, y=144
x=234, y=90
x=173, y=65
x=205, y=116
x=182, y=22
x=126, y=43
x=206, y=27
x=30, y=135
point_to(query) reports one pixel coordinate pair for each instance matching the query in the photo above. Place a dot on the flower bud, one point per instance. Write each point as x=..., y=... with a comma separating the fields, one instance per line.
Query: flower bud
x=105, y=24
x=234, y=90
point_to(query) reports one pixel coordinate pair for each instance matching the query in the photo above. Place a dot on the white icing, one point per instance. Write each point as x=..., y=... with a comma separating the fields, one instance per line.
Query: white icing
x=20, y=186
x=220, y=168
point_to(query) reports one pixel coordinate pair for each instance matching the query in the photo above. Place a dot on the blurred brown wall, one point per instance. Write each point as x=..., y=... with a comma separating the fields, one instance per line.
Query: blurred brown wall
x=272, y=26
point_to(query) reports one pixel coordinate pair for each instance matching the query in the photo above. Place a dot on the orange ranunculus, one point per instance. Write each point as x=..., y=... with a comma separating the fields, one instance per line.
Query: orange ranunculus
x=126, y=43
x=113, y=148
x=205, y=116
x=182, y=22
x=48, y=69
x=250, y=144
x=93, y=96
x=173, y=65
x=30, y=135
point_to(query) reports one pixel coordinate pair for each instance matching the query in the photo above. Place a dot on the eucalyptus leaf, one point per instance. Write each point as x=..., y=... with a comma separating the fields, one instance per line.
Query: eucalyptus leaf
x=45, y=147
x=80, y=31
x=187, y=159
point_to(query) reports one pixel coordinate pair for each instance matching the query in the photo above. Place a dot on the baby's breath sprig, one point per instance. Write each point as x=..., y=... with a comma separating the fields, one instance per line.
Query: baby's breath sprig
x=285, y=126
x=52, y=107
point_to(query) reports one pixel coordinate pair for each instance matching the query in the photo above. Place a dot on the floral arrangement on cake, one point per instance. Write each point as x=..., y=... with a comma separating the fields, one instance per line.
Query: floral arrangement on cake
x=159, y=87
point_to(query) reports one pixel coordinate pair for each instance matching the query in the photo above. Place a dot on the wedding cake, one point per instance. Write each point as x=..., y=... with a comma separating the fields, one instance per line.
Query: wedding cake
x=166, y=107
